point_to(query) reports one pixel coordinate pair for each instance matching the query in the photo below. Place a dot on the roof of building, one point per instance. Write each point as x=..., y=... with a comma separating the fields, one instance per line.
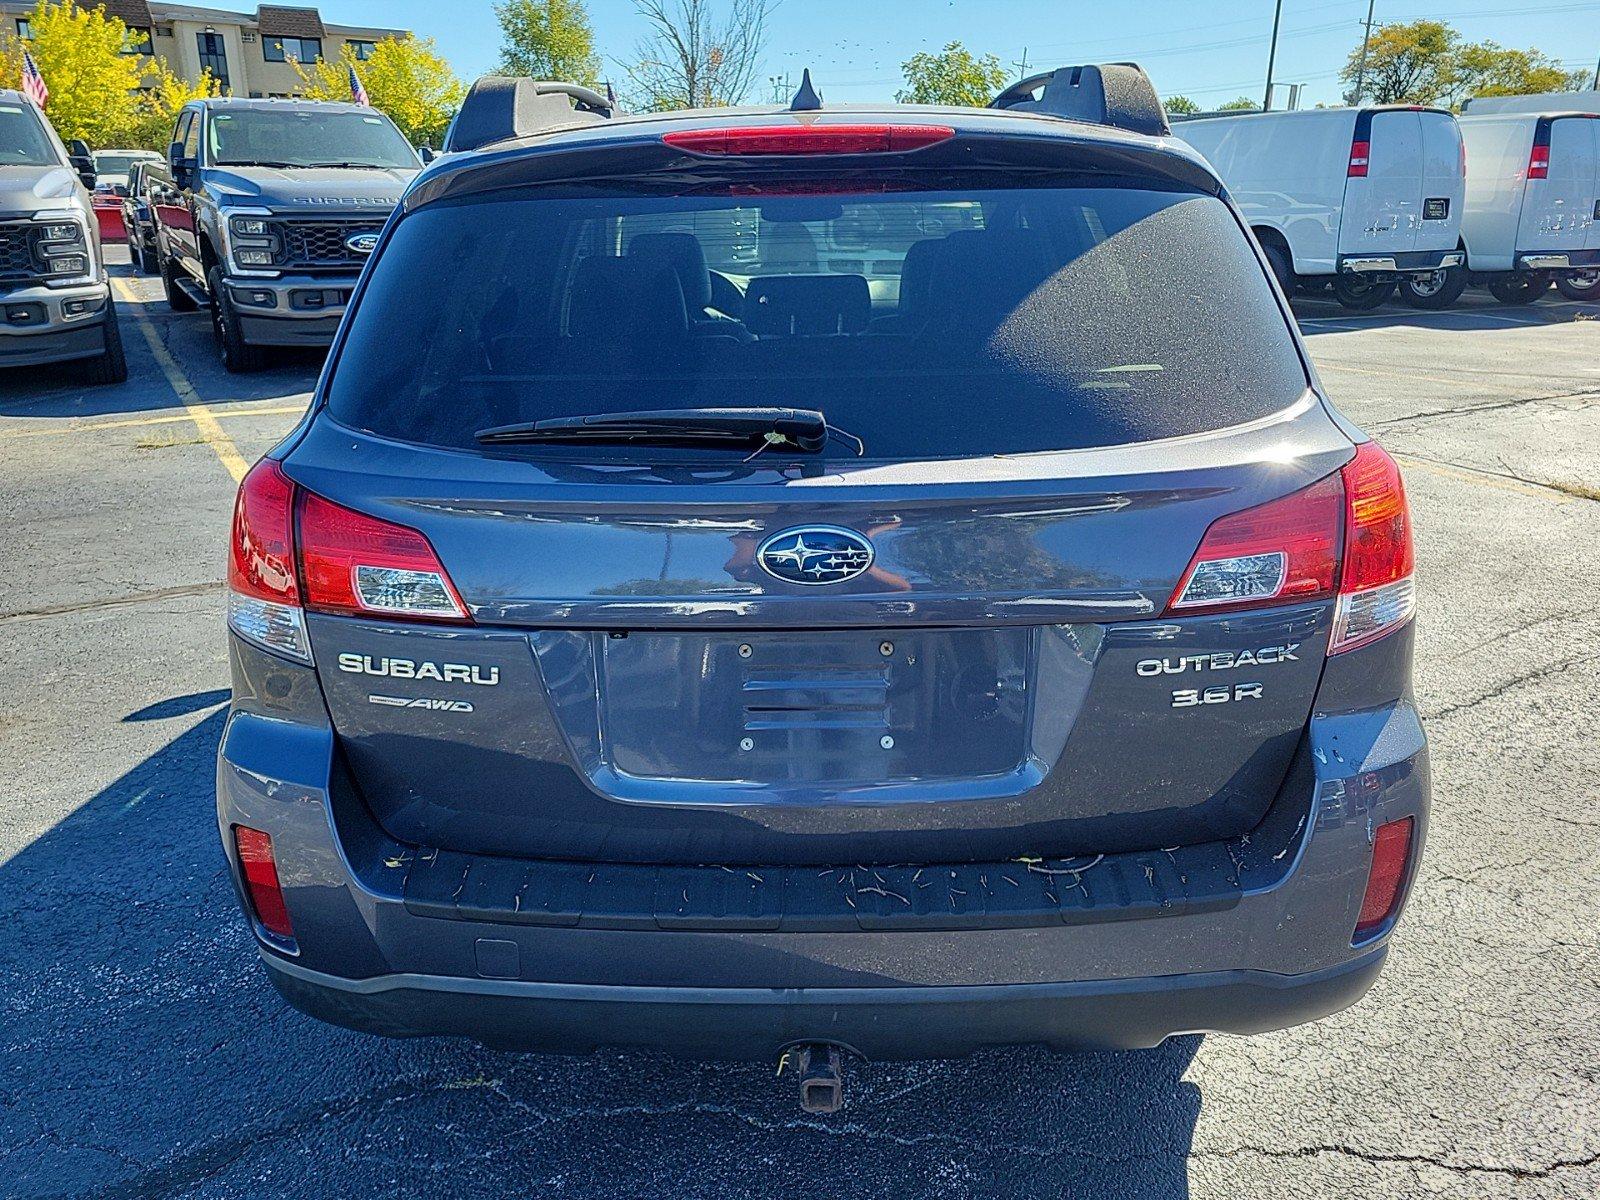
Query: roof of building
x=277, y=20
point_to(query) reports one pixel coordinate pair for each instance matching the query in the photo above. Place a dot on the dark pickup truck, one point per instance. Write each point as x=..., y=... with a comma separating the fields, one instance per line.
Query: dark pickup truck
x=265, y=212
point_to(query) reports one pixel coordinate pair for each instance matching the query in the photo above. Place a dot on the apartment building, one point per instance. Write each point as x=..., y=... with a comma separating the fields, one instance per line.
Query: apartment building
x=250, y=54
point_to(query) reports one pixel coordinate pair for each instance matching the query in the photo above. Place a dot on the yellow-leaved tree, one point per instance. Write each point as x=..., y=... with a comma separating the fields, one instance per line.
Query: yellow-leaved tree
x=97, y=91
x=405, y=78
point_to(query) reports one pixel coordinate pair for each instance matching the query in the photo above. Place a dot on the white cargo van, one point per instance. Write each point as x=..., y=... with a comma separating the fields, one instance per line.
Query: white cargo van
x=1357, y=197
x=1542, y=102
x=1532, y=213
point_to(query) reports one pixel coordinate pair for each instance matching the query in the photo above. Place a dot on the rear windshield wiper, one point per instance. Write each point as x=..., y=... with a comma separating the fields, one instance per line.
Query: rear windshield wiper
x=761, y=428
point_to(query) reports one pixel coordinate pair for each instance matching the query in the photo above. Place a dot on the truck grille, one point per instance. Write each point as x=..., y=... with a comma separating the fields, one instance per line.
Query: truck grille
x=16, y=253
x=321, y=244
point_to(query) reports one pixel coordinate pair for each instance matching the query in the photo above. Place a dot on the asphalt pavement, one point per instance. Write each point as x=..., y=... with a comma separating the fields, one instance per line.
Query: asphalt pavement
x=143, y=1053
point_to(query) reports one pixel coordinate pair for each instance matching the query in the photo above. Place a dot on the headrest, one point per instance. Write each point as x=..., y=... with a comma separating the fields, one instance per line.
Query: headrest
x=683, y=254
x=626, y=300
x=807, y=305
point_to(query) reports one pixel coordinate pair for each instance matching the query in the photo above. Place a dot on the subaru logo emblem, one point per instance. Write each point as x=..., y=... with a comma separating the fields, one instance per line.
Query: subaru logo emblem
x=815, y=554
x=361, y=243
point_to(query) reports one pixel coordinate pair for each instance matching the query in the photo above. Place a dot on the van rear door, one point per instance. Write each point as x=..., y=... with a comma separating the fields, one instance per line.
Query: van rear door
x=1383, y=191
x=1558, y=211
x=1444, y=182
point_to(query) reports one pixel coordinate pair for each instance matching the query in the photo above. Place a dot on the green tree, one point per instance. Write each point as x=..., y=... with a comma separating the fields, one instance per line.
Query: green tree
x=1241, y=104
x=1413, y=63
x=953, y=76
x=405, y=78
x=155, y=109
x=79, y=52
x=547, y=39
x=1181, y=106
x=1488, y=69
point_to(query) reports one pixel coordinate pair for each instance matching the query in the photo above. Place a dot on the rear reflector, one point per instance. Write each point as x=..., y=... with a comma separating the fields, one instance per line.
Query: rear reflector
x=1391, y=855
x=261, y=881
x=1360, y=153
x=1377, y=593
x=809, y=139
x=263, y=593
x=352, y=563
x=1283, y=551
x=1539, y=162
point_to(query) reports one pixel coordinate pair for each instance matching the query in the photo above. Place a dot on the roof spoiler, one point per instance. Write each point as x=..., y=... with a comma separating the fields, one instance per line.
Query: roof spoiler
x=500, y=107
x=1116, y=94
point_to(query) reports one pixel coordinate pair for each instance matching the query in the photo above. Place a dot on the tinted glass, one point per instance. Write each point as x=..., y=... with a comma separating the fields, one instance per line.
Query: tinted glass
x=22, y=138
x=928, y=324
x=306, y=138
x=118, y=164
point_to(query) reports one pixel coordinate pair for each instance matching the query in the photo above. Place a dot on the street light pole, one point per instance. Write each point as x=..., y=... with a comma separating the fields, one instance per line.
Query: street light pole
x=1272, y=56
x=1361, y=69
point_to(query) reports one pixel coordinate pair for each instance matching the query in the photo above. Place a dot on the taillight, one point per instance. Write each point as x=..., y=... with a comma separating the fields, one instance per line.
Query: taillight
x=353, y=564
x=1360, y=152
x=1391, y=856
x=1377, y=593
x=293, y=551
x=263, y=594
x=1539, y=161
x=1283, y=551
x=809, y=139
x=261, y=884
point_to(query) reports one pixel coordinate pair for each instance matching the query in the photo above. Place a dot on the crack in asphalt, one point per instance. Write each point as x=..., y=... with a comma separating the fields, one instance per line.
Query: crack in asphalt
x=1512, y=684
x=131, y=598
x=1463, y=410
x=1379, y=1159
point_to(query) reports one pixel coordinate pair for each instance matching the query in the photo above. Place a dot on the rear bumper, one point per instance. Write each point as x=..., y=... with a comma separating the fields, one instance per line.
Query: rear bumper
x=1415, y=262
x=875, y=1022
x=1558, y=260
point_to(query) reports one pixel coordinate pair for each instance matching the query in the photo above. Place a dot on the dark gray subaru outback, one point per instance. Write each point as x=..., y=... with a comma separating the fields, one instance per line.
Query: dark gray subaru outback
x=876, y=580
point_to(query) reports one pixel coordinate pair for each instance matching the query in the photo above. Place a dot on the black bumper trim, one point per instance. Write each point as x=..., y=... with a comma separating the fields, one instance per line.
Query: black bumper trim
x=288, y=331
x=60, y=344
x=753, y=1024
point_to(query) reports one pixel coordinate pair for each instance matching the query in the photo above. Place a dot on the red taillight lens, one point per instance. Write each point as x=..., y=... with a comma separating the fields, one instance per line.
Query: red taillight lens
x=1360, y=153
x=1539, y=162
x=355, y=564
x=261, y=564
x=261, y=881
x=1377, y=593
x=810, y=139
x=1391, y=856
x=1282, y=551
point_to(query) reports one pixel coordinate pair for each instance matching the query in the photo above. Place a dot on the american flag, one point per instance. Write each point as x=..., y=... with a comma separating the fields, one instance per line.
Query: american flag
x=357, y=92
x=33, y=85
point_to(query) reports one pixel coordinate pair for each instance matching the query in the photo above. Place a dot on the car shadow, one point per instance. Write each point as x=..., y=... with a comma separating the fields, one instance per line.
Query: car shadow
x=142, y=1052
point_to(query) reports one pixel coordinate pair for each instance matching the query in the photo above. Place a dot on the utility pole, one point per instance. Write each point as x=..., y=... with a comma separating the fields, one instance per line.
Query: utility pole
x=1597, y=77
x=1361, y=67
x=1272, y=57
x=1022, y=67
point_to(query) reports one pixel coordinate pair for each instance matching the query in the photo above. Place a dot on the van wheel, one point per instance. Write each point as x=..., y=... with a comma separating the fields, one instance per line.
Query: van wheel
x=112, y=365
x=1359, y=293
x=1282, y=268
x=177, y=298
x=238, y=356
x=1519, y=289
x=1437, y=290
x=1580, y=287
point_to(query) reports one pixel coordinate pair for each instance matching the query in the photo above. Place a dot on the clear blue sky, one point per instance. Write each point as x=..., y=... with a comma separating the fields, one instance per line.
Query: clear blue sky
x=1209, y=51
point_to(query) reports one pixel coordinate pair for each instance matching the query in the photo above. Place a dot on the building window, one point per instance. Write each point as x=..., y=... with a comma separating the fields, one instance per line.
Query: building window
x=363, y=50
x=138, y=41
x=24, y=28
x=306, y=50
x=214, y=57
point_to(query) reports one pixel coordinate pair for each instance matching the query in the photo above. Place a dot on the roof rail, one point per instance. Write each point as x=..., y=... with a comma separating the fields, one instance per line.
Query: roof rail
x=500, y=107
x=1117, y=94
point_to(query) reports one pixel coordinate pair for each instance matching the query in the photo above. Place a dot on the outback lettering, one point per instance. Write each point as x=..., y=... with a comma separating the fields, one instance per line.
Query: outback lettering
x=1222, y=660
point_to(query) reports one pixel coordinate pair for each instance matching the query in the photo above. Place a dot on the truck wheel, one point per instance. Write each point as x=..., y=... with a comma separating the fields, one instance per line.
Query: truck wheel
x=1519, y=289
x=1282, y=269
x=1437, y=290
x=238, y=356
x=1359, y=293
x=177, y=298
x=112, y=365
x=1580, y=287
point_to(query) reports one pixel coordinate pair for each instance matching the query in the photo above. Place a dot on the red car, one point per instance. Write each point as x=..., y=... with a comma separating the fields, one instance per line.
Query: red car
x=111, y=185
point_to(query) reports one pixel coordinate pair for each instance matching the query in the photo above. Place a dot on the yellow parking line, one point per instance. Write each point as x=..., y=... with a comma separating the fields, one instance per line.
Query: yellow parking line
x=1487, y=479
x=138, y=422
x=1406, y=375
x=204, y=419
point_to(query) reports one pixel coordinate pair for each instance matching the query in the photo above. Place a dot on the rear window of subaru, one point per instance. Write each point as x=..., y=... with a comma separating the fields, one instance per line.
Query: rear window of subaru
x=926, y=324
